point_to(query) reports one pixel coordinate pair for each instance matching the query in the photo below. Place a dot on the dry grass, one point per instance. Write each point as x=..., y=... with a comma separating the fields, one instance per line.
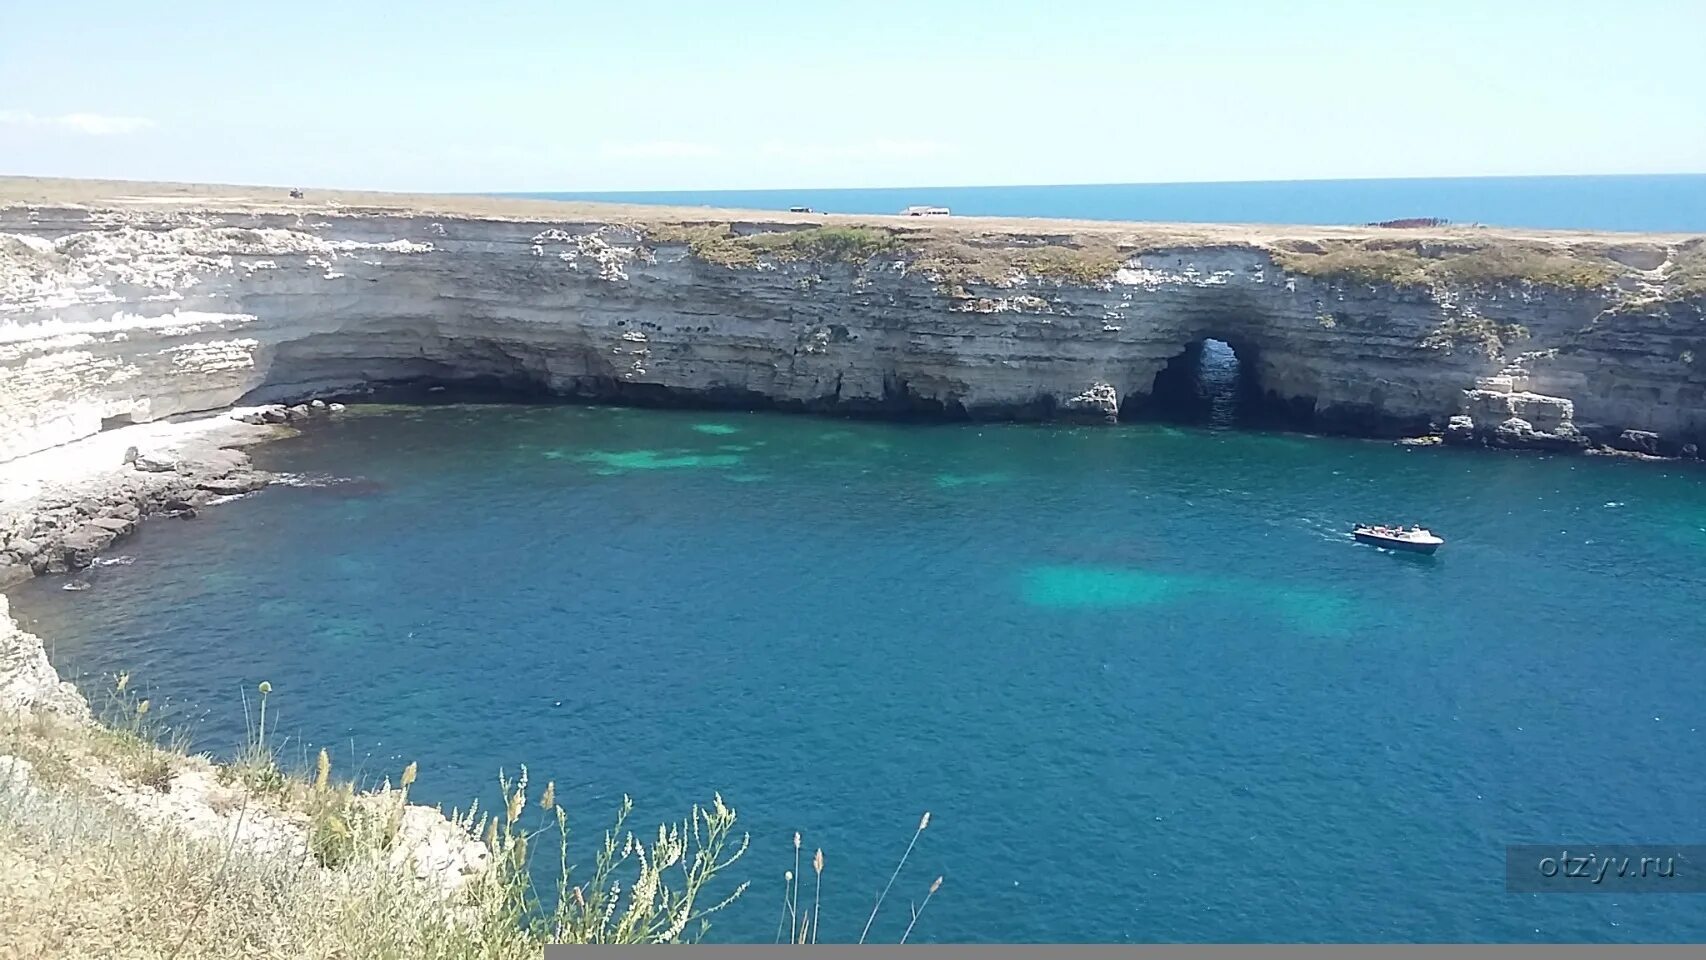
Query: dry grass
x=1491, y=338
x=947, y=258
x=88, y=876
x=718, y=244
x=1418, y=265
x=86, y=880
x=955, y=260
x=1687, y=276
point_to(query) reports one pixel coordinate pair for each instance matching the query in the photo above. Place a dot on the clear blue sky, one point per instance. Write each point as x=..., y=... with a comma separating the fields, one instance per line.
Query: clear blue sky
x=463, y=95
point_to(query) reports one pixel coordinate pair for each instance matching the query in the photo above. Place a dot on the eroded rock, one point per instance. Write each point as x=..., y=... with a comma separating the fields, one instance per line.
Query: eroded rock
x=1101, y=402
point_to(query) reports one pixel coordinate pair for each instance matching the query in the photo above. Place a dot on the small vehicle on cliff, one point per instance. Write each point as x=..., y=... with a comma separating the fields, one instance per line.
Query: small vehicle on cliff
x=1412, y=539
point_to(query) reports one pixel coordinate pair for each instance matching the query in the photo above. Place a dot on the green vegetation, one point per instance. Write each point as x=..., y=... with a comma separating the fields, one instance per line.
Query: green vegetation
x=1386, y=262
x=952, y=260
x=716, y=243
x=958, y=260
x=1688, y=270
x=1494, y=339
x=1357, y=264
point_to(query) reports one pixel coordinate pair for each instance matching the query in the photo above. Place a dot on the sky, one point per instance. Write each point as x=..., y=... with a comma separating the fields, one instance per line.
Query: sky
x=452, y=95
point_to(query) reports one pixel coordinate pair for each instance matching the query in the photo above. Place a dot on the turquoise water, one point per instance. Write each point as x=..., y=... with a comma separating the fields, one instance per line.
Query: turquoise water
x=1145, y=684
x=1672, y=202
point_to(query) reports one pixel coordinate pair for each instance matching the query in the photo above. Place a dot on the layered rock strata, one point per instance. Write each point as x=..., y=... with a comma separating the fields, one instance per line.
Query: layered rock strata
x=113, y=315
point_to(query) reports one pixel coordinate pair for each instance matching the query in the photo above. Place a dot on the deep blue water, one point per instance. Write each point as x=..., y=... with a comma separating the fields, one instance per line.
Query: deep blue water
x=1675, y=202
x=1144, y=682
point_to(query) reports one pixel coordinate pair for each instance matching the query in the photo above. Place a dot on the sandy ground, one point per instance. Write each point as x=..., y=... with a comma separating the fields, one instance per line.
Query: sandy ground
x=187, y=197
x=83, y=462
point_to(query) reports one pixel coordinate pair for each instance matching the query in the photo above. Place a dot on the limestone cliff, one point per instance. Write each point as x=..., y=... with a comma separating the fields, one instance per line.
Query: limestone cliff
x=124, y=312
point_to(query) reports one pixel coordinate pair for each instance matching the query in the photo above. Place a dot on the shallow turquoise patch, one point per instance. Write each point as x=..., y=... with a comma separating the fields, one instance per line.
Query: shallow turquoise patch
x=947, y=480
x=748, y=477
x=716, y=429
x=618, y=461
x=1109, y=587
x=1075, y=586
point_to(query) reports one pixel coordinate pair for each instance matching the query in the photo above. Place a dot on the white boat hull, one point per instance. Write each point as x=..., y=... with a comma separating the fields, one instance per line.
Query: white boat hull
x=1427, y=544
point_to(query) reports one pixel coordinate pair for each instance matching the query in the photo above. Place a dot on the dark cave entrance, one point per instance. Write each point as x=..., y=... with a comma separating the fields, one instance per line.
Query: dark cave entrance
x=1210, y=384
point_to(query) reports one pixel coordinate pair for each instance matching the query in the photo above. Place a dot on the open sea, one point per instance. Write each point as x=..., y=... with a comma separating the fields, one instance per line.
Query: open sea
x=1659, y=203
x=1141, y=677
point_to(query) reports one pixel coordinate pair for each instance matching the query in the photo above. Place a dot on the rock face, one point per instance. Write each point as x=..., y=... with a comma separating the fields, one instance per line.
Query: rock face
x=27, y=681
x=109, y=317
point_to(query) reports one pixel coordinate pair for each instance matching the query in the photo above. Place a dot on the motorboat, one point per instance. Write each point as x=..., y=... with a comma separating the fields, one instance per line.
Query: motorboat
x=1413, y=539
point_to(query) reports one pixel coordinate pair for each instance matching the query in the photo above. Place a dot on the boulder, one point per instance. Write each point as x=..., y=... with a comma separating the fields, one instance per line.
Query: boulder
x=274, y=414
x=298, y=412
x=1514, y=431
x=125, y=510
x=335, y=408
x=130, y=454
x=11, y=573
x=82, y=545
x=232, y=485
x=25, y=550
x=1461, y=429
x=118, y=525
x=1101, y=402
x=1638, y=441
x=1689, y=451
x=154, y=463
x=317, y=406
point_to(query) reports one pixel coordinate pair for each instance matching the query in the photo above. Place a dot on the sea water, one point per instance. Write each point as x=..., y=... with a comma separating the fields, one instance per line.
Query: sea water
x=1660, y=203
x=1142, y=678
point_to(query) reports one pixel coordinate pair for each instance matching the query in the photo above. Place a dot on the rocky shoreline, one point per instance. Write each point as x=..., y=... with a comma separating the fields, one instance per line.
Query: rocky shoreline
x=72, y=511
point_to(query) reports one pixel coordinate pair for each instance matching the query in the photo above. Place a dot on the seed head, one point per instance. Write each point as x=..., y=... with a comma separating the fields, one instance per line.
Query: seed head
x=409, y=774
x=265, y=688
x=817, y=861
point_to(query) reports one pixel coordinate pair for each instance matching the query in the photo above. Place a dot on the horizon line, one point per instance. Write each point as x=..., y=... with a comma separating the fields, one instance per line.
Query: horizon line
x=1114, y=183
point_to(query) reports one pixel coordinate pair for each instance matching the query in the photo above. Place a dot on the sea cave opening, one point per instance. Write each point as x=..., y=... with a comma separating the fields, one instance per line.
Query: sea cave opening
x=1212, y=383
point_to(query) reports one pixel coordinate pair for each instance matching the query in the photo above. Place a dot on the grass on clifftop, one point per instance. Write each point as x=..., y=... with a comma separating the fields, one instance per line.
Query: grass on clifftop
x=1398, y=264
x=87, y=875
x=951, y=260
x=717, y=244
x=1688, y=270
x=956, y=260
